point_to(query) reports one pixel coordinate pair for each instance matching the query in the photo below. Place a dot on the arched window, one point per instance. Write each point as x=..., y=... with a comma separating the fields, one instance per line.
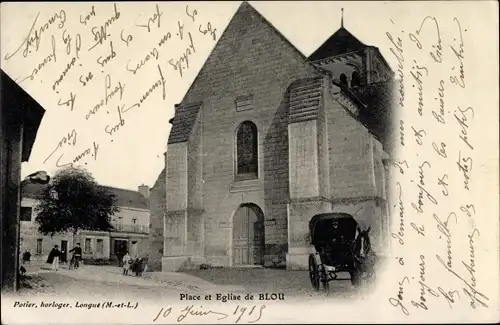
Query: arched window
x=355, y=79
x=247, y=150
x=343, y=80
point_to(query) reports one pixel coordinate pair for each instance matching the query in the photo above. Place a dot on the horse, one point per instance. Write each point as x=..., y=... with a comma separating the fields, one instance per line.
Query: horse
x=364, y=256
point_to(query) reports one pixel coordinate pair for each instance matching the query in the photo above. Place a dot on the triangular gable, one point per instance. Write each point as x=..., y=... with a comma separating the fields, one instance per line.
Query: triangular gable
x=245, y=11
x=341, y=42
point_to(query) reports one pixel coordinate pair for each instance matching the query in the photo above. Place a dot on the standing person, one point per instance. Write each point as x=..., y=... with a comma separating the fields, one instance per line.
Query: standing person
x=145, y=261
x=53, y=257
x=126, y=263
x=26, y=257
x=139, y=266
x=77, y=255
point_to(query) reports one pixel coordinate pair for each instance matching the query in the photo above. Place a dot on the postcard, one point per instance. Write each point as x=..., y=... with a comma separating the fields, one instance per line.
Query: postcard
x=250, y=162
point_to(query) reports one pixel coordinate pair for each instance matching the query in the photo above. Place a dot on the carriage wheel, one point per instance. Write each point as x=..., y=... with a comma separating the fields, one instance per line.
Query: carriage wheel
x=314, y=274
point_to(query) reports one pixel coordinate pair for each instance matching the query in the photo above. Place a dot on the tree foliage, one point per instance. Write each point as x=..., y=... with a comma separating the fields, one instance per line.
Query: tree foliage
x=74, y=201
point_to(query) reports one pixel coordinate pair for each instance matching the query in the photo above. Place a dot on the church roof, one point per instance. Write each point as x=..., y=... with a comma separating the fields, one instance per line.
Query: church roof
x=124, y=198
x=341, y=42
x=183, y=122
x=161, y=178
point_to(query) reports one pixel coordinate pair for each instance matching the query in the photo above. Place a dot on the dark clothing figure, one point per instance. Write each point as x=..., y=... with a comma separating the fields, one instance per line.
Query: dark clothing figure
x=137, y=266
x=55, y=252
x=77, y=256
x=26, y=257
x=77, y=251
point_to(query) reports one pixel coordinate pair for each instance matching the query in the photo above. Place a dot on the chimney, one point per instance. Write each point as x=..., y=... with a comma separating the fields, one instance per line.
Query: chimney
x=176, y=106
x=144, y=190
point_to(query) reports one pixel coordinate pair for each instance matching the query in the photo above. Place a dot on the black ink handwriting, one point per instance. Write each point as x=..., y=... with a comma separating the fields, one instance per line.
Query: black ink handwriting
x=397, y=51
x=70, y=139
x=88, y=16
x=459, y=54
x=439, y=116
x=145, y=96
x=36, y=38
x=474, y=295
x=70, y=102
x=41, y=65
x=444, y=230
x=151, y=20
x=177, y=65
x=112, y=54
x=398, y=302
x=419, y=135
x=438, y=48
x=400, y=234
x=119, y=88
x=440, y=151
x=441, y=182
x=89, y=151
x=101, y=33
x=191, y=14
x=462, y=121
x=67, y=41
x=465, y=166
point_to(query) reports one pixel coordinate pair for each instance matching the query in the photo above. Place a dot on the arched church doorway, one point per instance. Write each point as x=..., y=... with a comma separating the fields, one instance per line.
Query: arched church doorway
x=248, y=235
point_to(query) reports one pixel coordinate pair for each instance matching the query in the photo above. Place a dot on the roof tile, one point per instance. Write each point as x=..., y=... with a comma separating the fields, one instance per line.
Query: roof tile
x=124, y=198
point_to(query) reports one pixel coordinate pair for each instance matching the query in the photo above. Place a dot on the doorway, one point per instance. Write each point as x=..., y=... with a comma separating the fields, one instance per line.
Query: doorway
x=248, y=235
x=64, y=251
x=120, y=247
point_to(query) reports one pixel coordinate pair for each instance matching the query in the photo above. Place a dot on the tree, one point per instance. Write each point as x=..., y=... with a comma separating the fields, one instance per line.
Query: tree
x=74, y=201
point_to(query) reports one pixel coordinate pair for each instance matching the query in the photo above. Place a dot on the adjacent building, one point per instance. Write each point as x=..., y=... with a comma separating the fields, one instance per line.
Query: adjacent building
x=264, y=139
x=20, y=118
x=131, y=228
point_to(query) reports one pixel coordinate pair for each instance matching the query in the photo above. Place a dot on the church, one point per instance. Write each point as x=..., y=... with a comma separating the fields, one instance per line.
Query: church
x=264, y=139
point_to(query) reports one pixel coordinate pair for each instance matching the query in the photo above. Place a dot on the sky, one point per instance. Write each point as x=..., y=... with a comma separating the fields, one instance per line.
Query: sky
x=70, y=83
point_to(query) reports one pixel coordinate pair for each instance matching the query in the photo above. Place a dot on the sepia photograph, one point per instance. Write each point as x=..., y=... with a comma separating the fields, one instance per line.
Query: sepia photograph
x=249, y=162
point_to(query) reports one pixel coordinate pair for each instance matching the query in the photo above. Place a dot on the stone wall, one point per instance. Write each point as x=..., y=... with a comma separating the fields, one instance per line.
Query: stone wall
x=157, y=200
x=251, y=59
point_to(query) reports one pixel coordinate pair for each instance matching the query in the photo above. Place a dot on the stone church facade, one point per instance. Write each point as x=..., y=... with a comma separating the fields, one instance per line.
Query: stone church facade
x=264, y=139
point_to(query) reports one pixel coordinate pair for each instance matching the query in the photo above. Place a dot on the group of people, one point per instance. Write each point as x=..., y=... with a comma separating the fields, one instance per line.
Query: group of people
x=136, y=265
x=55, y=256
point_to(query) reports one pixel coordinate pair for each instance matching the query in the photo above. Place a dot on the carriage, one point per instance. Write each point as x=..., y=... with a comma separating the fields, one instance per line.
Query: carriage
x=341, y=245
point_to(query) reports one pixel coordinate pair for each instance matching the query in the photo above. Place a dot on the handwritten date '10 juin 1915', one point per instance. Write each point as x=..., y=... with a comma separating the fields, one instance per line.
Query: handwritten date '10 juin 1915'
x=238, y=314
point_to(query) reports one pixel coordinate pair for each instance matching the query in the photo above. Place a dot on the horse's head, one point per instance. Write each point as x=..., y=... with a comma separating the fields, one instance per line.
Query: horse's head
x=363, y=245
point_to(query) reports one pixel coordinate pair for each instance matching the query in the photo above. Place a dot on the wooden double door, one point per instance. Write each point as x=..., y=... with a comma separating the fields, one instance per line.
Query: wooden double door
x=248, y=236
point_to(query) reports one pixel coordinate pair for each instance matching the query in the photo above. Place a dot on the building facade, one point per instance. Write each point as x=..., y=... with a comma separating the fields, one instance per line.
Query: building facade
x=265, y=138
x=131, y=228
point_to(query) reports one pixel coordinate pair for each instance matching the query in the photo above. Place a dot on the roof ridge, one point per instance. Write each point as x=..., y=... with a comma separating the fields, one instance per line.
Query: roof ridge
x=276, y=30
x=342, y=37
x=118, y=188
x=243, y=5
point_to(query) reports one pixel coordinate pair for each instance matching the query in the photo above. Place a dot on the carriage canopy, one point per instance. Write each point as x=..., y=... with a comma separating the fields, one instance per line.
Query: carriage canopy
x=332, y=226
